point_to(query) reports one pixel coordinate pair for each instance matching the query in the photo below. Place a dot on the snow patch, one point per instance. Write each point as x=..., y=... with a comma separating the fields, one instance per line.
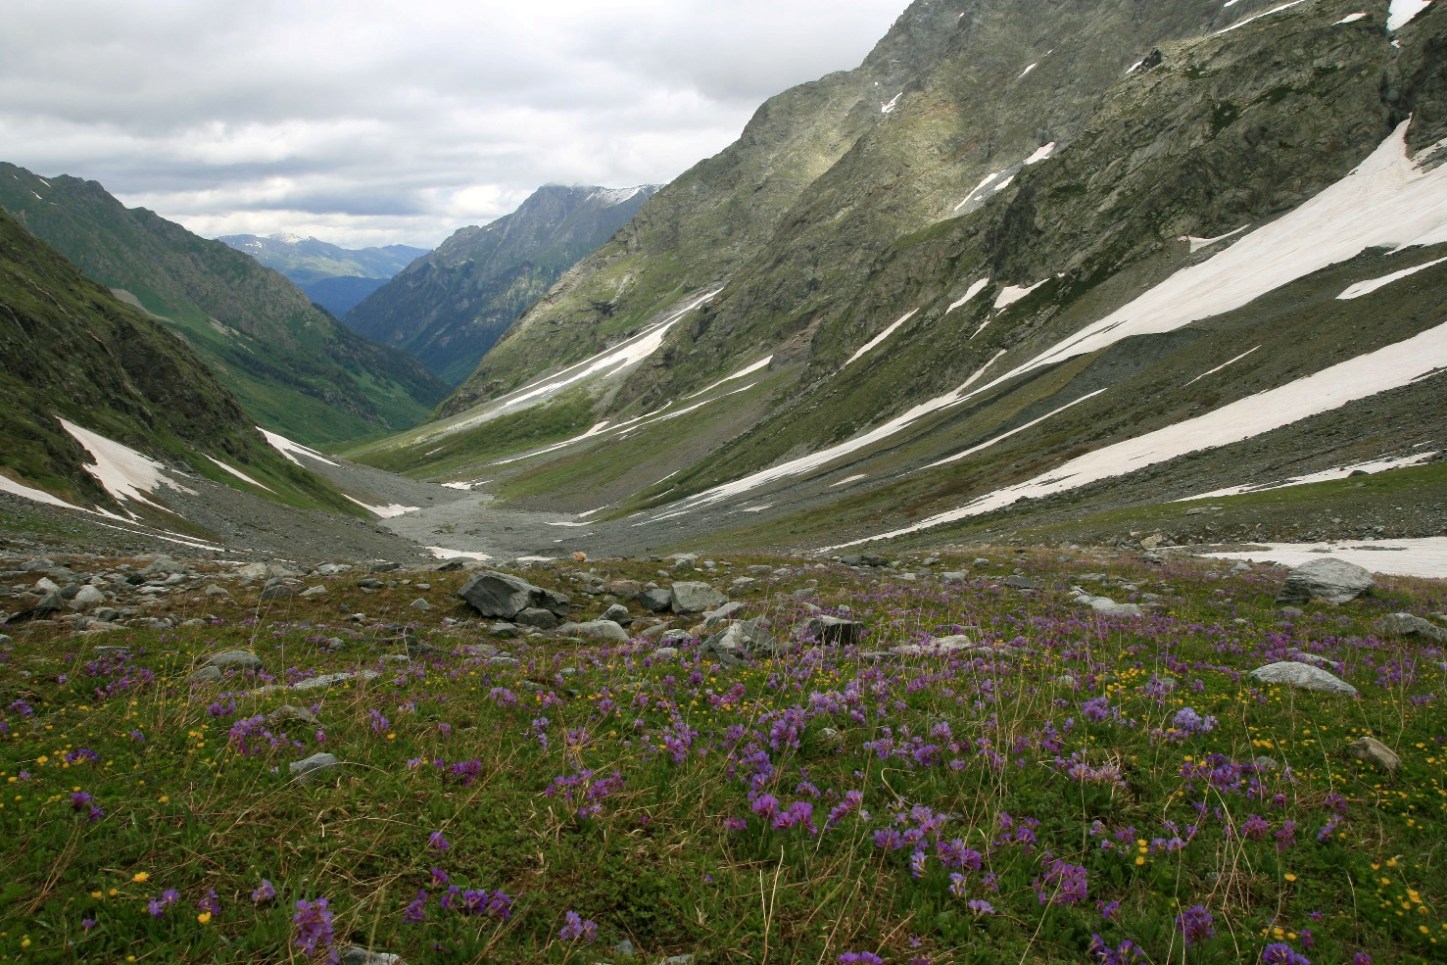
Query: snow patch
x=873, y=343
x=761, y=364
x=1351, y=18
x=1264, y=13
x=386, y=512
x=1011, y=294
x=1396, y=557
x=889, y=107
x=1005, y=435
x=443, y=553
x=291, y=449
x=970, y=293
x=1026, y=71
x=1220, y=367
x=1040, y=155
x=1401, y=12
x=1198, y=243
x=847, y=481
x=1366, y=375
x=8, y=485
x=240, y=475
x=1367, y=287
x=124, y=472
x=1325, y=475
x=978, y=188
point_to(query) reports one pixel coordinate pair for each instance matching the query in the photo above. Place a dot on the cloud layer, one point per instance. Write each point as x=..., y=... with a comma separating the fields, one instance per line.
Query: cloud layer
x=373, y=122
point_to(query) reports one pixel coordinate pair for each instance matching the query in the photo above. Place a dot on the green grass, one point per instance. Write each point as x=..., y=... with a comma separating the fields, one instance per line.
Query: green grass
x=680, y=855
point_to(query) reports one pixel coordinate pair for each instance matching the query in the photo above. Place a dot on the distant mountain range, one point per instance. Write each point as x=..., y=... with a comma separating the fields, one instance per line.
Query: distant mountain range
x=293, y=367
x=335, y=278
x=449, y=307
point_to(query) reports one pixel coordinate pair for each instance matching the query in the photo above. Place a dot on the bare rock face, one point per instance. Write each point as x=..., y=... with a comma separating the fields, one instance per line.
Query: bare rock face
x=503, y=596
x=1330, y=579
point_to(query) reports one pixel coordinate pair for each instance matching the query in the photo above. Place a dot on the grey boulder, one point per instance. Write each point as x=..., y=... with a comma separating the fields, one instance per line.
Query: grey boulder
x=1330, y=579
x=503, y=596
x=1302, y=675
x=695, y=598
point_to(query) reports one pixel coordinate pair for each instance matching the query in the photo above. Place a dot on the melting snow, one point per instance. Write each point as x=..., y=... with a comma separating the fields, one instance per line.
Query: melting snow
x=240, y=475
x=889, y=108
x=125, y=473
x=1026, y=71
x=1004, y=184
x=1399, y=557
x=621, y=356
x=1041, y=154
x=762, y=363
x=1011, y=294
x=1264, y=13
x=291, y=449
x=1367, y=287
x=1325, y=475
x=443, y=553
x=8, y=485
x=845, y=482
x=1005, y=435
x=1220, y=367
x=1198, y=243
x=1401, y=12
x=387, y=512
x=464, y=486
x=874, y=342
x=1351, y=18
x=971, y=292
x=978, y=188
x=1331, y=388
x=759, y=508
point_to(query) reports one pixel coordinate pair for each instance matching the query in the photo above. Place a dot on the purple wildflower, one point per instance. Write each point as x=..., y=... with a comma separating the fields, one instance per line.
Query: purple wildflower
x=1196, y=924
x=859, y=958
x=1280, y=953
x=416, y=911
x=313, y=928
x=578, y=929
x=437, y=842
x=980, y=906
x=263, y=893
x=1062, y=884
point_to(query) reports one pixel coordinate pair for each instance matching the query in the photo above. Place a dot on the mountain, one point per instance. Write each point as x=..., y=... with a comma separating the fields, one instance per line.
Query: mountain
x=293, y=367
x=86, y=380
x=449, y=307
x=336, y=278
x=1032, y=263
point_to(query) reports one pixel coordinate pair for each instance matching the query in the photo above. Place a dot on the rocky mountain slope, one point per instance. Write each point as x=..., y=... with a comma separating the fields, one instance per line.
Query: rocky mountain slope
x=335, y=278
x=1029, y=259
x=449, y=308
x=293, y=367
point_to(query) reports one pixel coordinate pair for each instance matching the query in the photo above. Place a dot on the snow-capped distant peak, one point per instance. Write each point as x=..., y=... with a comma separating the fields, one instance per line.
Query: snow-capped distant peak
x=286, y=238
x=611, y=197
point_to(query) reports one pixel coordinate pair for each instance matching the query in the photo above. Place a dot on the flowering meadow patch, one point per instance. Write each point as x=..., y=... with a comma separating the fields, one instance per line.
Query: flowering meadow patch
x=1061, y=786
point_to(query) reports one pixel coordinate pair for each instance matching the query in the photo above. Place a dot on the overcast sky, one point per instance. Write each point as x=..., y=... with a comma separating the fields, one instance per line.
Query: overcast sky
x=376, y=121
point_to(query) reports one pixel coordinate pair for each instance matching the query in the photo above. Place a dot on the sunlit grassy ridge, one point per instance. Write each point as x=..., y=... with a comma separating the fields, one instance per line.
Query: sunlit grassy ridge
x=1084, y=784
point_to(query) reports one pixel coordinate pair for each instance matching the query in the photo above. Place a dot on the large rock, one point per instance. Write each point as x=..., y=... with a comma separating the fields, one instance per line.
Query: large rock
x=87, y=597
x=504, y=596
x=595, y=629
x=740, y=640
x=1409, y=625
x=1330, y=579
x=1302, y=675
x=834, y=631
x=656, y=599
x=1105, y=606
x=695, y=598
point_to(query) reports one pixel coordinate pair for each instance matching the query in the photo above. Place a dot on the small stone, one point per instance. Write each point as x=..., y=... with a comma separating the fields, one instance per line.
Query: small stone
x=1373, y=751
x=538, y=617
x=656, y=600
x=286, y=713
x=665, y=653
x=279, y=591
x=1023, y=583
x=420, y=604
x=234, y=660
x=323, y=681
x=595, y=629
x=316, y=766
x=723, y=614
x=618, y=613
x=87, y=598
x=310, y=593
x=205, y=675
x=357, y=955
x=216, y=591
